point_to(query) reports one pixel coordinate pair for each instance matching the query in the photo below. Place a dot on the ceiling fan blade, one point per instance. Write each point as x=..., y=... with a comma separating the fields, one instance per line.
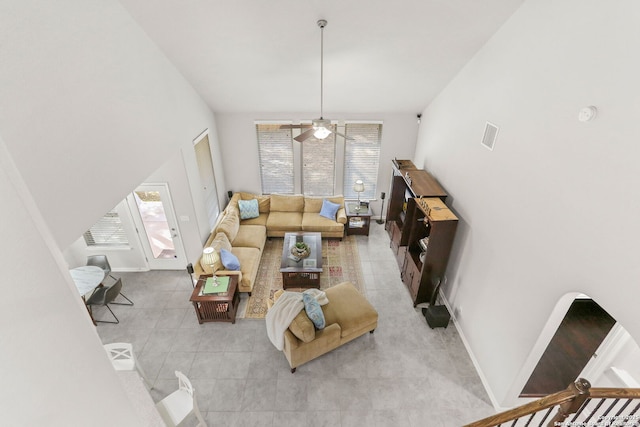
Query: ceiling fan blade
x=304, y=135
x=348, y=138
x=295, y=126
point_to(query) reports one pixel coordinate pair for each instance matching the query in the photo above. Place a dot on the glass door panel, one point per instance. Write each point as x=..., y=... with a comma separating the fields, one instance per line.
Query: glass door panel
x=156, y=226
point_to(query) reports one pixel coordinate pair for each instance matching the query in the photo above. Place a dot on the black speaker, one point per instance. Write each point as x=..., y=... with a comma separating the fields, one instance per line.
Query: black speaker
x=190, y=271
x=380, y=220
x=437, y=316
x=230, y=194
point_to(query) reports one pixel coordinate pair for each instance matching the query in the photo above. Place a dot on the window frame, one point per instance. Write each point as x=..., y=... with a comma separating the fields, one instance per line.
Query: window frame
x=340, y=159
x=105, y=227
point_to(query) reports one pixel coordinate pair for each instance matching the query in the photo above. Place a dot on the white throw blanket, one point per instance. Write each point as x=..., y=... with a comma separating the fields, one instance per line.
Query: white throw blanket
x=285, y=309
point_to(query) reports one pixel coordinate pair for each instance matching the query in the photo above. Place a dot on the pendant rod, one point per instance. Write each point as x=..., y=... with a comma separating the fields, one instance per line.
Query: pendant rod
x=322, y=23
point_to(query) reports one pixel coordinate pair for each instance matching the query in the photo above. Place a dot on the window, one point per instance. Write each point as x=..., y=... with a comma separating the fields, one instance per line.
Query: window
x=312, y=167
x=275, y=148
x=318, y=166
x=107, y=231
x=361, y=158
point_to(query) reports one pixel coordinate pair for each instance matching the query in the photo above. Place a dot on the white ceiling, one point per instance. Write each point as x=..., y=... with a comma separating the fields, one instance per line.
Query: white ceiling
x=264, y=56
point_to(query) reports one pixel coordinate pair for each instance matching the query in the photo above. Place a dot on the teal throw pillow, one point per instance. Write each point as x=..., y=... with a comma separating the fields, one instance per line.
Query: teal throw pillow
x=229, y=260
x=329, y=209
x=314, y=312
x=248, y=209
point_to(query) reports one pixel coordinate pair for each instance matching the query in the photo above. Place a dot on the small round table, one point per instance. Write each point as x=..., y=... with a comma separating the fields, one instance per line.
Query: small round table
x=87, y=278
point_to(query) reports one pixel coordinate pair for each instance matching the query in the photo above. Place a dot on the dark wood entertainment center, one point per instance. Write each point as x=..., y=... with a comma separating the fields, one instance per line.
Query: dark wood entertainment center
x=421, y=228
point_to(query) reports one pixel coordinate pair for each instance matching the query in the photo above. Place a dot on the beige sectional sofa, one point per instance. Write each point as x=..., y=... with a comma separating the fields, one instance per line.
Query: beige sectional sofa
x=278, y=214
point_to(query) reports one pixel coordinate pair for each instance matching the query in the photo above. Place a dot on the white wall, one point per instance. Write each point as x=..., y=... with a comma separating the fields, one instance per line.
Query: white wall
x=54, y=369
x=237, y=134
x=554, y=208
x=89, y=108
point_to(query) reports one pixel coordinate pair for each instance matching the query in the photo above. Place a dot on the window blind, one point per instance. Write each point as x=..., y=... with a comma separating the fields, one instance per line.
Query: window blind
x=318, y=166
x=108, y=231
x=361, y=158
x=275, y=148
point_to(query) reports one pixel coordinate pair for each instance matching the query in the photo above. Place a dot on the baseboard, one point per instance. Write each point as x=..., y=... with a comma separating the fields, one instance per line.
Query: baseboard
x=485, y=383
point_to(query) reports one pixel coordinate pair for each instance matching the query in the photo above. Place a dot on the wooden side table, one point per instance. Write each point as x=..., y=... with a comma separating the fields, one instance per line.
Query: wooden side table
x=216, y=307
x=358, y=221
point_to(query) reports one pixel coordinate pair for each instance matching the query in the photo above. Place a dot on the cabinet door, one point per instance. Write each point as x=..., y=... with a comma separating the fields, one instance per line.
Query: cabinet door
x=401, y=258
x=415, y=286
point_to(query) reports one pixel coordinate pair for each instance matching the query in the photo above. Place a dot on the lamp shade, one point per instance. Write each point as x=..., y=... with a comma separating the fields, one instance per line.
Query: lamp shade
x=210, y=259
x=358, y=187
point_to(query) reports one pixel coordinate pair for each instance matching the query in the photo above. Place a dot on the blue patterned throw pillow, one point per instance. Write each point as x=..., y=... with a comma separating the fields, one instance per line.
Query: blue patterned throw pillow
x=248, y=209
x=329, y=209
x=229, y=260
x=314, y=312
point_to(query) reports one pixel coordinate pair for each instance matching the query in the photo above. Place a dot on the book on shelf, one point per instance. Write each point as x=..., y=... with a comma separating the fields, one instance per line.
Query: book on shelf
x=356, y=222
x=424, y=243
x=221, y=285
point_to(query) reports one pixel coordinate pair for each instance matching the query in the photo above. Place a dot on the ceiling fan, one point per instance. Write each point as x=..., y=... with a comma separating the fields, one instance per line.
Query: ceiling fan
x=319, y=128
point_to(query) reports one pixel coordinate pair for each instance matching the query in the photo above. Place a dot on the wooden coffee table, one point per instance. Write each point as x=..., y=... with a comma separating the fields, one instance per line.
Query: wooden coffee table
x=302, y=273
x=216, y=307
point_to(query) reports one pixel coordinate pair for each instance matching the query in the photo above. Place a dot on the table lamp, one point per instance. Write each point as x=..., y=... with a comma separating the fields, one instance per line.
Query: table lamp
x=358, y=187
x=210, y=257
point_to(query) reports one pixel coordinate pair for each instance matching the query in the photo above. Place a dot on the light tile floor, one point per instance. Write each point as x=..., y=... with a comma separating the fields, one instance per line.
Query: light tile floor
x=405, y=374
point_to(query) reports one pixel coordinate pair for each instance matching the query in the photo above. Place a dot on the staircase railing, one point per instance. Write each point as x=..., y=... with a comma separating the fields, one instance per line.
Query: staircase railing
x=577, y=406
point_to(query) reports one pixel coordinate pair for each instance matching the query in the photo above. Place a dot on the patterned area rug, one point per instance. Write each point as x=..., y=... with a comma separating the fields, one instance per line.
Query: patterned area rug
x=340, y=263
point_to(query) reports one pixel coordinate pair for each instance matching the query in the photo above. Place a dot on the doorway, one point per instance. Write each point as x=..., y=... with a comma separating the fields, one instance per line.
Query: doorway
x=154, y=217
x=207, y=177
x=583, y=329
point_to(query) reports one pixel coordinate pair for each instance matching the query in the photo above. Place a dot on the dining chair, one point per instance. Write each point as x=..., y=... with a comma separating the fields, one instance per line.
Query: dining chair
x=177, y=406
x=105, y=295
x=102, y=262
x=124, y=359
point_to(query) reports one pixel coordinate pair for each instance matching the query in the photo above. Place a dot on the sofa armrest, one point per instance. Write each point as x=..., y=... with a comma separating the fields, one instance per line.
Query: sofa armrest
x=341, y=216
x=230, y=273
x=326, y=339
x=199, y=271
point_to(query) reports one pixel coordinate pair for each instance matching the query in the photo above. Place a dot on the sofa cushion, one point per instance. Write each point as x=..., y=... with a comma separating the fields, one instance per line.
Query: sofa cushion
x=229, y=225
x=259, y=220
x=314, y=204
x=301, y=326
x=251, y=236
x=249, y=261
x=312, y=221
x=229, y=260
x=264, y=202
x=287, y=203
x=248, y=209
x=349, y=308
x=329, y=210
x=285, y=221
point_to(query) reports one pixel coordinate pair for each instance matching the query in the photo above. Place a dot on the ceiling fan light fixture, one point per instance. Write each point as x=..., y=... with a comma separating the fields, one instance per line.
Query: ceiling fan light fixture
x=321, y=132
x=321, y=128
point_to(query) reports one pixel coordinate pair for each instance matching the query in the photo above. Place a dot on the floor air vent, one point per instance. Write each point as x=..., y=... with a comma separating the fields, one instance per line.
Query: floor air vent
x=490, y=135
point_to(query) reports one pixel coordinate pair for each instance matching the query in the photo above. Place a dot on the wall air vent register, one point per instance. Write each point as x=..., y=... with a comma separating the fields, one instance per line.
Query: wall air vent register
x=490, y=135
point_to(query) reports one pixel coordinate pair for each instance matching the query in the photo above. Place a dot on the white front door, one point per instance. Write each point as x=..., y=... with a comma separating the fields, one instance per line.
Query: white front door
x=155, y=220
